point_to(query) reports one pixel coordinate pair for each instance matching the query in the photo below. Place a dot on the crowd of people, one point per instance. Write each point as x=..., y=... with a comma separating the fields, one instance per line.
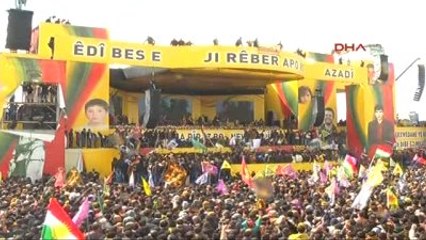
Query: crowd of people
x=295, y=208
x=165, y=137
x=35, y=109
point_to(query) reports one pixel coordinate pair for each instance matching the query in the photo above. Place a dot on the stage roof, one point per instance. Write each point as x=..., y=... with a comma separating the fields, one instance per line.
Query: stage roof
x=193, y=81
x=192, y=69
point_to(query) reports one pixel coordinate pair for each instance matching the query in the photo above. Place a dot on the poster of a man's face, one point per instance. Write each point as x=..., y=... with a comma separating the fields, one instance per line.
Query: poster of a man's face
x=371, y=74
x=328, y=129
x=380, y=130
x=328, y=116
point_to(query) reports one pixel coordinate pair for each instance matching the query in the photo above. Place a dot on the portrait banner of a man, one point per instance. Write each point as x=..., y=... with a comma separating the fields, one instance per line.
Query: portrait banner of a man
x=370, y=119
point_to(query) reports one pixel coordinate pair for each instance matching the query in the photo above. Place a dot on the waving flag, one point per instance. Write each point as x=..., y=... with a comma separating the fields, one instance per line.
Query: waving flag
x=363, y=196
x=362, y=172
x=327, y=167
x=172, y=144
x=375, y=176
x=60, y=177
x=315, y=172
x=151, y=179
x=209, y=168
x=382, y=152
x=132, y=180
x=391, y=199
x=175, y=175
x=245, y=174
x=350, y=166
x=202, y=179
x=83, y=212
x=332, y=190
x=288, y=170
x=146, y=187
x=58, y=225
x=225, y=165
x=221, y=187
x=419, y=159
x=198, y=145
x=398, y=170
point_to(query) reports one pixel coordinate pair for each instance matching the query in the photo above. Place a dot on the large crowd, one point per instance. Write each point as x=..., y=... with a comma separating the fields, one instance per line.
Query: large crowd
x=163, y=137
x=280, y=206
x=295, y=208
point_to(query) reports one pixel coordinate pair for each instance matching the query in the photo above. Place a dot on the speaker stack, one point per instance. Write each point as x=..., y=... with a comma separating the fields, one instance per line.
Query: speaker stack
x=19, y=30
x=421, y=86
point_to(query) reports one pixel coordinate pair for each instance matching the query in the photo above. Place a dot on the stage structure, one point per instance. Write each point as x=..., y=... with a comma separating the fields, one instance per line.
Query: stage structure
x=269, y=82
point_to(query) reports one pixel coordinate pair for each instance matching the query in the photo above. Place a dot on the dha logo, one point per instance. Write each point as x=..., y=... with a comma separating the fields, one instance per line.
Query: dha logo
x=345, y=47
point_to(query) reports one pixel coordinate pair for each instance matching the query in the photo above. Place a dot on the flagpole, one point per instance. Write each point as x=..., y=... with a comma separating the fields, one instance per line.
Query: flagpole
x=371, y=163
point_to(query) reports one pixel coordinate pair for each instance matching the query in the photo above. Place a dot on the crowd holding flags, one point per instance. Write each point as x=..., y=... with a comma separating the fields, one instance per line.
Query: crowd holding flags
x=83, y=212
x=391, y=199
x=146, y=187
x=419, y=160
x=58, y=224
x=175, y=175
x=287, y=170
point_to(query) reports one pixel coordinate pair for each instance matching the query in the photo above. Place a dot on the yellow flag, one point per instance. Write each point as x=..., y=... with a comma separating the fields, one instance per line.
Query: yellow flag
x=73, y=178
x=270, y=171
x=225, y=165
x=146, y=187
x=382, y=165
x=392, y=199
x=375, y=177
x=397, y=170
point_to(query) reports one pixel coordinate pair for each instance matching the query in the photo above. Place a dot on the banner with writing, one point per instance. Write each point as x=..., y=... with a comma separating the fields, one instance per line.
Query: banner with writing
x=410, y=137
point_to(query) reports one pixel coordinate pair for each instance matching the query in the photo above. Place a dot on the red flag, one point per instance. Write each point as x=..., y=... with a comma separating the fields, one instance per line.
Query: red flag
x=245, y=174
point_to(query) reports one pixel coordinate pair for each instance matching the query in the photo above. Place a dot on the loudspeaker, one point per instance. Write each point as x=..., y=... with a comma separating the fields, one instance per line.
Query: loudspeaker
x=152, y=106
x=19, y=30
x=420, y=88
x=320, y=114
x=270, y=118
x=384, y=68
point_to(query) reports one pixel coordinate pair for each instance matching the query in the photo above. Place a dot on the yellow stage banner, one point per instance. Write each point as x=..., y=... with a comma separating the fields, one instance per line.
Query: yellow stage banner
x=99, y=159
x=256, y=167
x=339, y=73
x=192, y=57
x=192, y=150
x=141, y=54
x=211, y=133
x=410, y=137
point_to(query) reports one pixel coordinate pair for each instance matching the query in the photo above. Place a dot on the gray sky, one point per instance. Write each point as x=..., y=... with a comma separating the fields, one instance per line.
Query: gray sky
x=310, y=25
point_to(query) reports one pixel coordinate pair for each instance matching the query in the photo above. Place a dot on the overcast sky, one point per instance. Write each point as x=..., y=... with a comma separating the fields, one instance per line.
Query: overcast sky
x=310, y=25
